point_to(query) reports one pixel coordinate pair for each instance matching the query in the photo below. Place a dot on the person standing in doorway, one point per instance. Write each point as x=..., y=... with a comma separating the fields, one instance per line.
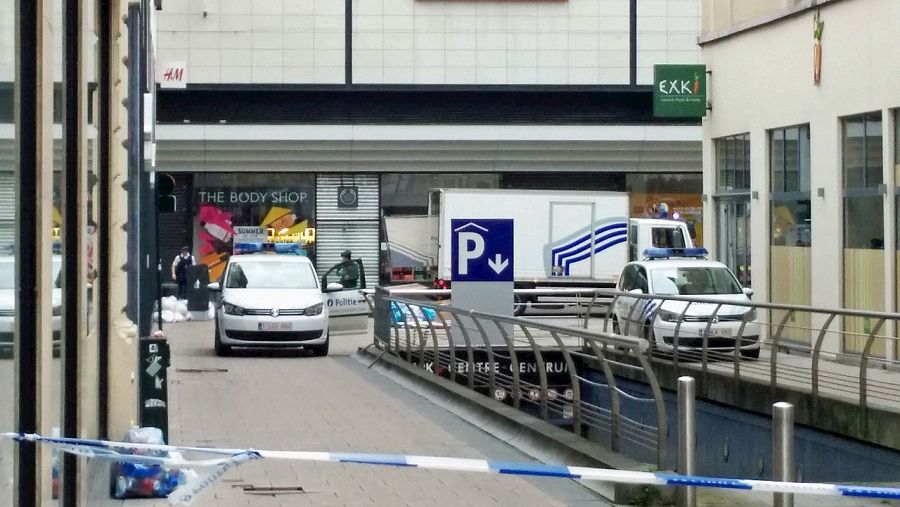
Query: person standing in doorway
x=179, y=270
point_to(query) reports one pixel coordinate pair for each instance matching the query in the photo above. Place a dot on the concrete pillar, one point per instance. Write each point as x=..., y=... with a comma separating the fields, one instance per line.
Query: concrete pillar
x=43, y=221
x=123, y=338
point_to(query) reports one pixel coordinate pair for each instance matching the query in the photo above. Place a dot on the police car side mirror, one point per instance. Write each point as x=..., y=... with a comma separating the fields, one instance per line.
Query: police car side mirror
x=214, y=286
x=333, y=287
x=635, y=291
x=748, y=291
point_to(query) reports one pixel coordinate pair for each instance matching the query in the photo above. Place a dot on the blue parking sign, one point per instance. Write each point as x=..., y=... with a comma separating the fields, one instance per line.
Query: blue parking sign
x=481, y=250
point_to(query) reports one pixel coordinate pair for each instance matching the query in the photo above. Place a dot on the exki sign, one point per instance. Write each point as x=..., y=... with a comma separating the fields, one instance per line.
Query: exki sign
x=679, y=91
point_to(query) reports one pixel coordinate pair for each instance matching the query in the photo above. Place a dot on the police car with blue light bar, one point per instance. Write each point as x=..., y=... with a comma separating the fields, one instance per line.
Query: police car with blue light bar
x=687, y=274
x=271, y=296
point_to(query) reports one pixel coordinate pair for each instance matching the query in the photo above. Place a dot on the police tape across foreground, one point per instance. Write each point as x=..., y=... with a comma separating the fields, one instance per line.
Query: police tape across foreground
x=227, y=459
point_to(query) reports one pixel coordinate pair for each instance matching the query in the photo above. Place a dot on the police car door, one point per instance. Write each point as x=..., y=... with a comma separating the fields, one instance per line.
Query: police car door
x=348, y=311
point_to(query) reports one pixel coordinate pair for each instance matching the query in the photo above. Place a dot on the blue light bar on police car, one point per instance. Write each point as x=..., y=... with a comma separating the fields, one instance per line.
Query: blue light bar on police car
x=666, y=253
x=280, y=248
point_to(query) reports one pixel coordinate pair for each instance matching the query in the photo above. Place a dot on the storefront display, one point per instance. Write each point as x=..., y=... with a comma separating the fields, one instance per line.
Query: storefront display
x=280, y=206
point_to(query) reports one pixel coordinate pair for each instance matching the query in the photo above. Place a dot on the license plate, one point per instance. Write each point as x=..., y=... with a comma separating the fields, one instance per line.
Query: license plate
x=721, y=331
x=276, y=326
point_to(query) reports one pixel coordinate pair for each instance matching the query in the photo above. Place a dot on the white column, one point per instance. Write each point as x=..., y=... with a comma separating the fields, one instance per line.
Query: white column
x=890, y=219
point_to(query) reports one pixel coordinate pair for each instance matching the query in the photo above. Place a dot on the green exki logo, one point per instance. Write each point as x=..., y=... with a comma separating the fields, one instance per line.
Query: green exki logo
x=680, y=86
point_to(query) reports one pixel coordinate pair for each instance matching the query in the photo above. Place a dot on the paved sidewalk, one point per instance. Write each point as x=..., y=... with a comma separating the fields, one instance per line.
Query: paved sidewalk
x=287, y=402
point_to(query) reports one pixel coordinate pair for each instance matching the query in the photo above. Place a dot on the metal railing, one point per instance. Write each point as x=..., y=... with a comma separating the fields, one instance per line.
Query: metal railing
x=455, y=343
x=842, y=353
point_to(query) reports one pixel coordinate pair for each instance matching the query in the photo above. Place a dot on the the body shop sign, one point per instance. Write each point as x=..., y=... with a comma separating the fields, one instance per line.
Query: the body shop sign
x=679, y=91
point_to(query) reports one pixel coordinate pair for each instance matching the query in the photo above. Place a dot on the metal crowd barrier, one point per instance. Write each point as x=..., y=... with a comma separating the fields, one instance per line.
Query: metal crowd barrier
x=406, y=330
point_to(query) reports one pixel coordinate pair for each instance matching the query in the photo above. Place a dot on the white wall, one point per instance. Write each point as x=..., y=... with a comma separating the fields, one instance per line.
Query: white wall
x=763, y=79
x=254, y=41
x=425, y=41
x=667, y=33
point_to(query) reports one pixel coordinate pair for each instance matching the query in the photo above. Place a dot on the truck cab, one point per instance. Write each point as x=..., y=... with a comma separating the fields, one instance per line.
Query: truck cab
x=644, y=233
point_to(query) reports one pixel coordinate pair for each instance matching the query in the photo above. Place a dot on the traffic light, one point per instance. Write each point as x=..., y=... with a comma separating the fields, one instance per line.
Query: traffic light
x=165, y=185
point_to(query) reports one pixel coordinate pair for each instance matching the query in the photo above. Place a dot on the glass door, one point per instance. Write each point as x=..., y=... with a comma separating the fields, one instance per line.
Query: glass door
x=734, y=237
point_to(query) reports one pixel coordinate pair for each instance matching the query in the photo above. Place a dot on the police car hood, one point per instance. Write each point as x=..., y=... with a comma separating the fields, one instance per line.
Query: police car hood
x=700, y=308
x=273, y=298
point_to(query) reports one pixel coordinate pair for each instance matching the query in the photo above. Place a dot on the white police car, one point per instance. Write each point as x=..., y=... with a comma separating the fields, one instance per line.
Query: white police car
x=272, y=298
x=664, y=274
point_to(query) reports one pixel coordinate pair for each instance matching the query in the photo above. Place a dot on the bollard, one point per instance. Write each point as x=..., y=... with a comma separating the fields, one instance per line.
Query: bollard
x=687, y=439
x=783, y=450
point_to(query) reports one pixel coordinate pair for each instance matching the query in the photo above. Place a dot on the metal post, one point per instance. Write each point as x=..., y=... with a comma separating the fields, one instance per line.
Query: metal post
x=687, y=438
x=783, y=450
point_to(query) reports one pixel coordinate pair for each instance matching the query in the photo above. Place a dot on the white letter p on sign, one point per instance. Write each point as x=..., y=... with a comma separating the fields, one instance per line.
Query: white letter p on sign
x=467, y=252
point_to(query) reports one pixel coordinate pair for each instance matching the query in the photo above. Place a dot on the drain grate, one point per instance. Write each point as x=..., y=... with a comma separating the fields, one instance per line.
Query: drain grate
x=201, y=370
x=252, y=489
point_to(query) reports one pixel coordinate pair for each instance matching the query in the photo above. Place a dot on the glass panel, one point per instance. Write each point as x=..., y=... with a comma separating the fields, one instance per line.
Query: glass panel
x=734, y=238
x=746, y=184
x=853, y=153
x=776, y=160
x=729, y=162
x=792, y=160
x=864, y=223
x=804, y=158
x=790, y=280
x=8, y=297
x=679, y=192
x=874, y=155
x=721, y=161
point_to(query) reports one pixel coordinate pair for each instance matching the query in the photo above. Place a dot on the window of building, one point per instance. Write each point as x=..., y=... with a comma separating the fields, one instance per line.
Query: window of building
x=733, y=204
x=790, y=226
x=862, y=160
x=733, y=162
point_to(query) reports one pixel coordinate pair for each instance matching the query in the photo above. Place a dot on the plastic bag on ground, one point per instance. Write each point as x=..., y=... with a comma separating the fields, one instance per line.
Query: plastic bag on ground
x=134, y=480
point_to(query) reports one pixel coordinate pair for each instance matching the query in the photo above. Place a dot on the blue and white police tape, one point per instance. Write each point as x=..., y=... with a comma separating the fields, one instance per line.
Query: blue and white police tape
x=232, y=458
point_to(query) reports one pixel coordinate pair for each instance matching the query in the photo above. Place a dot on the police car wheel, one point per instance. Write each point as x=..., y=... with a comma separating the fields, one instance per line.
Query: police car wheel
x=221, y=349
x=321, y=350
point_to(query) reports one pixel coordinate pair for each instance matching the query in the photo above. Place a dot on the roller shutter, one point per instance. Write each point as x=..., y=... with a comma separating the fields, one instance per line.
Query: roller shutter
x=7, y=211
x=355, y=229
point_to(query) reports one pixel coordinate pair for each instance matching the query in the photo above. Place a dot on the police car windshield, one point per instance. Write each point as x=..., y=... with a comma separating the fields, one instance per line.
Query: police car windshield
x=271, y=275
x=694, y=280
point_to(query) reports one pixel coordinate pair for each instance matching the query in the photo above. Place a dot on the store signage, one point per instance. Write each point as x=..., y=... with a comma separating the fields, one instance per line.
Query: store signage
x=233, y=197
x=348, y=197
x=679, y=91
x=173, y=75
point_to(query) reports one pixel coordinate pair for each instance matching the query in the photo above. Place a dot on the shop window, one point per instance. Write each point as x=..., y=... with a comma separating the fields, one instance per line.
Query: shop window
x=863, y=263
x=229, y=208
x=790, y=227
x=673, y=196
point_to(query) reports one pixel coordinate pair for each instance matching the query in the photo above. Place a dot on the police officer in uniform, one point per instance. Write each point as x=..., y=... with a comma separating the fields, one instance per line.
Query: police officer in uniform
x=179, y=270
x=348, y=271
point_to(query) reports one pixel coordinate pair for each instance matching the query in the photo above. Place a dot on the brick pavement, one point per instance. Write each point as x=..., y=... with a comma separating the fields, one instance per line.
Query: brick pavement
x=293, y=402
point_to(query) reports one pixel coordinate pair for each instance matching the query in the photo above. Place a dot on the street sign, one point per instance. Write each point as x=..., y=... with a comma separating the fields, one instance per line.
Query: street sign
x=482, y=250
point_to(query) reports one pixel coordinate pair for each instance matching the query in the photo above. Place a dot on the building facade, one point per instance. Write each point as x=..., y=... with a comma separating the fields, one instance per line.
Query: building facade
x=359, y=108
x=800, y=152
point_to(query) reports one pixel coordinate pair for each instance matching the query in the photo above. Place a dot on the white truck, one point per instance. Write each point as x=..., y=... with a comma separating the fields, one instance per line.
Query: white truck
x=567, y=239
